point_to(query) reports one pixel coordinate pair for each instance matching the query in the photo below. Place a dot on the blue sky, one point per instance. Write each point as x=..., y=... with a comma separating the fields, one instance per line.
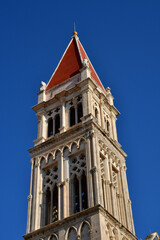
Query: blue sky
x=122, y=40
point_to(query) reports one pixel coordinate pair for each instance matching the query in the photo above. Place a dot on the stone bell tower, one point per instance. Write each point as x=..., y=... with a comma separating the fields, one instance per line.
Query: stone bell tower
x=78, y=186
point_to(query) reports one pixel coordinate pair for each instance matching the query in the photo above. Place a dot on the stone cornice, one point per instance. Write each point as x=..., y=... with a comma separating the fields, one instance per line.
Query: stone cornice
x=75, y=217
x=71, y=133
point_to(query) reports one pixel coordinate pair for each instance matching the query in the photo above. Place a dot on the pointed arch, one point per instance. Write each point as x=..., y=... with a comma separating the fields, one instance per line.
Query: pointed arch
x=53, y=237
x=65, y=149
x=57, y=154
x=42, y=161
x=85, y=231
x=81, y=143
x=72, y=233
x=74, y=147
x=50, y=158
x=80, y=226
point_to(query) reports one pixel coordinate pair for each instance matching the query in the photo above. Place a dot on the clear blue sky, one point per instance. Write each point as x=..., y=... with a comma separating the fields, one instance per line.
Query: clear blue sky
x=122, y=39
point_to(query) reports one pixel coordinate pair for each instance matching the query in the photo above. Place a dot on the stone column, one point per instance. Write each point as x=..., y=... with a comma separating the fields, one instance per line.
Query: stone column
x=94, y=170
x=129, y=218
x=125, y=197
x=114, y=129
x=101, y=113
x=107, y=184
x=121, y=199
x=63, y=116
x=60, y=188
x=86, y=101
x=113, y=190
x=35, y=208
x=89, y=175
x=30, y=199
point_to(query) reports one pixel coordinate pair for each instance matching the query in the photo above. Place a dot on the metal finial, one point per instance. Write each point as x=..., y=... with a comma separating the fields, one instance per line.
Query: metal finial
x=75, y=33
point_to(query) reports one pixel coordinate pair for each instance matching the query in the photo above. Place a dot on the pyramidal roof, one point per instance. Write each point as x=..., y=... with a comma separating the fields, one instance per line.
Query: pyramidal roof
x=71, y=63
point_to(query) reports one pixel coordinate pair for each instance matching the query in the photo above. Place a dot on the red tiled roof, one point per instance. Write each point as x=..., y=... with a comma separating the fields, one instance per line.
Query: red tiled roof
x=93, y=73
x=70, y=64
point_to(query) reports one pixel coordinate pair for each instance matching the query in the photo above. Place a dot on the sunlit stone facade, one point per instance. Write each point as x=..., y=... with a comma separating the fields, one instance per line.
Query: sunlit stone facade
x=78, y=186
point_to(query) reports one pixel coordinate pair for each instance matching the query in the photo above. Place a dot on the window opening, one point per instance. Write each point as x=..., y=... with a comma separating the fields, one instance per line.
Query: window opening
x=76, y=195
x=57, y=123
x=72, y=116
x=107, y=125
x=84, y=192
x=50, y=127
x=55, y=204
x=48, y=205
x=79, y=112
x=96, y=113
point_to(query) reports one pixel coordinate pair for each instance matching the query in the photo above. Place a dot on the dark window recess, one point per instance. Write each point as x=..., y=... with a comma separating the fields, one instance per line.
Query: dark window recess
x=79, y=112
x=50, y=127
x=72, y=116
x=55, y=204
x=107, y=125
x=48, y=206
x=84, y=192
x=96, y=113
x=57, y=123
x=76, y=195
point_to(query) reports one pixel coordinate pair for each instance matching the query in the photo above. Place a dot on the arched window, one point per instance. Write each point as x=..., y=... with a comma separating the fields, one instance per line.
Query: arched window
x=50, y=127
x=57, y=123
x=72, y=116
x=79, y=112
x=76, y=195
x=55, y=204
x=48, y=206
x=84, y=196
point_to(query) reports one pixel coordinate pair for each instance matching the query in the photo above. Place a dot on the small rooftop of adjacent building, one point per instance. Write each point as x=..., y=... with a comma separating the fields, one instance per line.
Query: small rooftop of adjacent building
x=152, y=236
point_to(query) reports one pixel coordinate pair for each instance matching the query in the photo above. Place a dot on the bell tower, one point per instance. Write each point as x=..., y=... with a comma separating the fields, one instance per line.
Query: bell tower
x=78, y=185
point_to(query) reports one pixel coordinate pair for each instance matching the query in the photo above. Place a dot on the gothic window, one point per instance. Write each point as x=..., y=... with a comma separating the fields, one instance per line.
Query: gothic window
x=79, y=112
x=57, y=123
x=72, y=116
x=78, y=183
x=50, y=200
x=85, y=232
x=50, y=127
